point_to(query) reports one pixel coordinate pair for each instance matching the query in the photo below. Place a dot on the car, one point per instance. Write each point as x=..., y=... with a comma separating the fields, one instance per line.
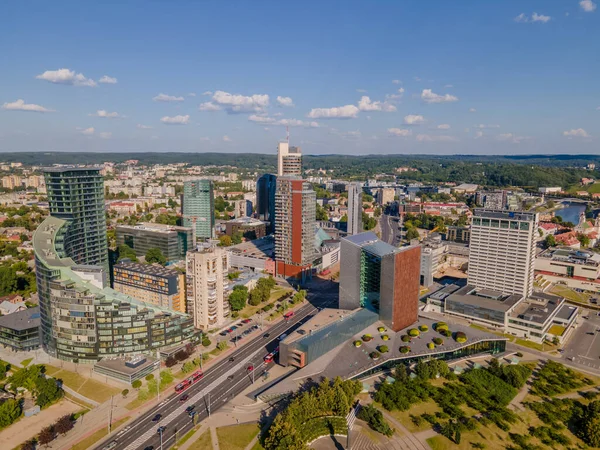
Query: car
x=150, y=447
x=190, y=408
x=161, y=429
x=223, y=333
x=111, y=445
x=192, y=414
x=233, y=328
x=266, y=335
x=250, y=368
x=229, y=330
x=230, y=377
x=246, y=321
x=591, y=333
x=184, y=397
x=156, y=418
x=232, y=359
x=585, y=317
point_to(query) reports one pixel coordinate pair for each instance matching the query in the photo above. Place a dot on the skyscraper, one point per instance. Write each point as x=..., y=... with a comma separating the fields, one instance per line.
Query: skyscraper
x=378, y=276
x=76, y=195
x=295, y=212
x=265, y=199
x=206, y=278
x=502, y=251
x=355, y=209
x=289, y=160
x=198, y=208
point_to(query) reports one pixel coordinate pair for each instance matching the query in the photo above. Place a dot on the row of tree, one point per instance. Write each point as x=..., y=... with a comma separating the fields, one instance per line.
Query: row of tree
x=51, y=432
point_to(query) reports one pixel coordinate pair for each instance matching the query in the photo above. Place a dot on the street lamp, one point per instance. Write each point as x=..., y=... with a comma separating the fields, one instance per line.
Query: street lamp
x=160, y=431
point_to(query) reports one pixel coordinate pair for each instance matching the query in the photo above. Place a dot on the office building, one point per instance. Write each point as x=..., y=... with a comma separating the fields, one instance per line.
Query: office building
x=385, y=195
x=355, y=208
x=378, y=276
x=265, y=199
x=502, y=251
x=433, y=252
x=295, y=211
x=458, y=234
x=198, y=208
x=152, y=284
x=20, y=331
x=172, y=241
x=76, y=195
x=578, y=269
x=82, y=320
x=206, y=280
x=250, y=228
x=491, y=199
x=289, y=160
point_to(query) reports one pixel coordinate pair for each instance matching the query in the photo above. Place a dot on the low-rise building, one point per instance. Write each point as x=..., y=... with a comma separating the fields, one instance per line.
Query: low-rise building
x=127, y=369
x=578, y=269
x=250, y=228
x=458, y=234
x=550, y=190
x=258, y=254
x=20, y=331
x=7, y=307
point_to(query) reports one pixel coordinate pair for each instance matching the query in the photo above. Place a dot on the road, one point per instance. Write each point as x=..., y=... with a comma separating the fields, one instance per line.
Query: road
x=220, y=383
x=583, y=347
x=390, y=231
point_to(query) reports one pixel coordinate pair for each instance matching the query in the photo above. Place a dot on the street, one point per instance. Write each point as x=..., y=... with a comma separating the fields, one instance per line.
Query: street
x=220, y=383
x=390, y=231
x=583, y=347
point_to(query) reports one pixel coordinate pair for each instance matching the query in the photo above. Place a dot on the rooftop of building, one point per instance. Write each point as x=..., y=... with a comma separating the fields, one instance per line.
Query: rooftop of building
x=21, y=320
x=485, y=298
x=321, y=324
x=126, y=366
x=61, y=169
x=147, y=269
x=538, y=308
x=258, y=248
x=155, y=227
x=502, y=214
x=573, y=256
x=247, y=221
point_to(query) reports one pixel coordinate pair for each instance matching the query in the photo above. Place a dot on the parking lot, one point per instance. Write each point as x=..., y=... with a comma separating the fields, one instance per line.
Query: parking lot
x=583, y=347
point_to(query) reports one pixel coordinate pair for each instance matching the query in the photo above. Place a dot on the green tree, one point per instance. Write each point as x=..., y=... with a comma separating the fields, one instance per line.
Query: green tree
x=10, y=410
x=550, y=241
x=136, y=384
x=236, y=238
x=155, y=255
x=125, y=251
x=238, y=297
x=583, y=239
x=321, y=213
x=222, y=345
x=124, y=393
x=47, y=391
x=225, y=241
x=412, y=233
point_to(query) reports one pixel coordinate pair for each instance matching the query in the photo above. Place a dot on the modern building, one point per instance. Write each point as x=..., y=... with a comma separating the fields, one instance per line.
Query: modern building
x=265, y=200
x=385, y=195
x=152, y=284
x=502, y=251
x=250, y=228
x=206, y=280
x=82, y=320
x=198, y=208
x=458, y=234
x=295, y=211
x=433, y=251
x=491, y=199
x=127, y=369
x=578, y=269
x=76, y=195
x=289, y=160
x=257, y=255
x=355, y=208
x=20, y=331
x=380, y=277
x=173, y=241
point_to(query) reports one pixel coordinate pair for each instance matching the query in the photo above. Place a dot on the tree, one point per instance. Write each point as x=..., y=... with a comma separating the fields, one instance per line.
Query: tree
x=236, y=238
x=47, y=391
x=321, y=213
x=149, y=377
x=222, y=345
x=583, y=239
x=205, y=341
x=124, y=393
x=550, y=241
x=29, y=445
x=412, y=233
x=155, y=255
x=125, y=251
x=46, y=436
x=64, y=424
x=225, y=241
x=136, y=384
x=238, y=297
x=344, y=218
x=10, y=411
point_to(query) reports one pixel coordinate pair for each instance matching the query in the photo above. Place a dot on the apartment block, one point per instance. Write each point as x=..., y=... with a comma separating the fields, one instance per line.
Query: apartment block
x=289, y=160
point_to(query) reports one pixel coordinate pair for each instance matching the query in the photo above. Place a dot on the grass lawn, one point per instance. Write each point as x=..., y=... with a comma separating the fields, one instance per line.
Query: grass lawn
x=51, y=370
x=87, y=387
x=257, y=446
x=570, y=294
x=204, y=442
x=429, y=407
x=26, y=362
x=187, y=437
x=556, y=330
x=236, y=437
x=78, y=401
x=91, y=440
x=216, y=351
x=135, y=404
x=276, y=293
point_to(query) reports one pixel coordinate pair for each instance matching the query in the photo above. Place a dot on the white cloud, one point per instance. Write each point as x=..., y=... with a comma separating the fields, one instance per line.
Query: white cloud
x=235, y=103
x=87, y=131
x=443, y=126
x=284, y=122
x=540, y=18
x=176, y=120
x=207, y=93
x=144, y=127
x=191, y=94
x=587, y=5
x=396, y=82
x=20, y=105
x=105, y=135
x=399, y=132
x=579, y=132
x=365, y=104
x=284, y=101
x=430, y=97
x=361, y=91
x=482, y=126
x=66, y=76
x=441, y=138
x=167, y=98
x=107, y=80
x=472, y=110
x=106, y=115
x=341, y=112
x=414, y=119
x=478, y=134
x=226, y=138
x=395, y=97
x=209, y=106
x=509, y=137
x=521, y=18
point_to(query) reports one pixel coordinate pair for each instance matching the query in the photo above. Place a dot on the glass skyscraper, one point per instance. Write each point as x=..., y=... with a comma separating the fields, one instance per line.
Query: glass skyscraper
x=198, y=207
x=265, y=199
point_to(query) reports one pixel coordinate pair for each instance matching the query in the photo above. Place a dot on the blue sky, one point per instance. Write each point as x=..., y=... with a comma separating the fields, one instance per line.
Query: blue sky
x=439, y=77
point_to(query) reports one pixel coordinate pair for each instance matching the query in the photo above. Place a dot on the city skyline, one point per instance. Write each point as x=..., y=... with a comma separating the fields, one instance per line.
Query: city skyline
x=493, y=78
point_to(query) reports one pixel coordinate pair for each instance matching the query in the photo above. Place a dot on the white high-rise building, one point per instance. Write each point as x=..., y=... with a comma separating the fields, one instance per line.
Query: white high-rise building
x=289, y=160
x=502, y=251
x=354, y=208
x=206, y=280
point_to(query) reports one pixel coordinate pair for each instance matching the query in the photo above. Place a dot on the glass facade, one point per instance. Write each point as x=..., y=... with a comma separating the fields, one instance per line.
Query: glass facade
x=173, y=242
x=199, y=207
x=265, y=199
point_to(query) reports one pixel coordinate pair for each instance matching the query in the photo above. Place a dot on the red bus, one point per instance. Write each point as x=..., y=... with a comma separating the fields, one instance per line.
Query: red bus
x=189, y=381
x=269, y=358
x=287, y=315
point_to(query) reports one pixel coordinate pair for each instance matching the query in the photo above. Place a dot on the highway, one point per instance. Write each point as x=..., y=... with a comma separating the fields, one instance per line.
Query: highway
x=220, y=383
x=390, y=231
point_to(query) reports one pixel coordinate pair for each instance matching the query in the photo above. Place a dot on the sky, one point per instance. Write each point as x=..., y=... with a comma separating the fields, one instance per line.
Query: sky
x=349, y=77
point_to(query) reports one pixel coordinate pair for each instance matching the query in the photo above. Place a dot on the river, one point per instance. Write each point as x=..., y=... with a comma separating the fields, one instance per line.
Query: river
x=571, y=212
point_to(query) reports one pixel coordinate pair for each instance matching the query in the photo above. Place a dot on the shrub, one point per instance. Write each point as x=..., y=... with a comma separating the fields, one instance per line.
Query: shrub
x=381, y=329
x=519, y=355
x=424, y=328
x=460, y=337
x=206, y=341
x=413, y=332
x=221, y=345
x=438, y=341
x=375, y=419
x=437, y=325
x=383, y=349
x=405, y=338
x=374, y=355
x=149, y=377
x=124, y=392
x=367, y=337
x=404, y=349
x=385, y=337
x=136, y=384
x=357, y=343
x=446, y=333
x=430, y=345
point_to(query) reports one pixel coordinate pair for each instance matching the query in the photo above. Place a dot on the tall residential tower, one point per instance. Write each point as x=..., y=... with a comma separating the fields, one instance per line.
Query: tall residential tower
x=265, y=199
x=289, y=160
x=198, y=208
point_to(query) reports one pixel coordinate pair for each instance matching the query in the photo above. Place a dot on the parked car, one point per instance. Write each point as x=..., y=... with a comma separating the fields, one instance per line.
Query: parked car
x=246, y=321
